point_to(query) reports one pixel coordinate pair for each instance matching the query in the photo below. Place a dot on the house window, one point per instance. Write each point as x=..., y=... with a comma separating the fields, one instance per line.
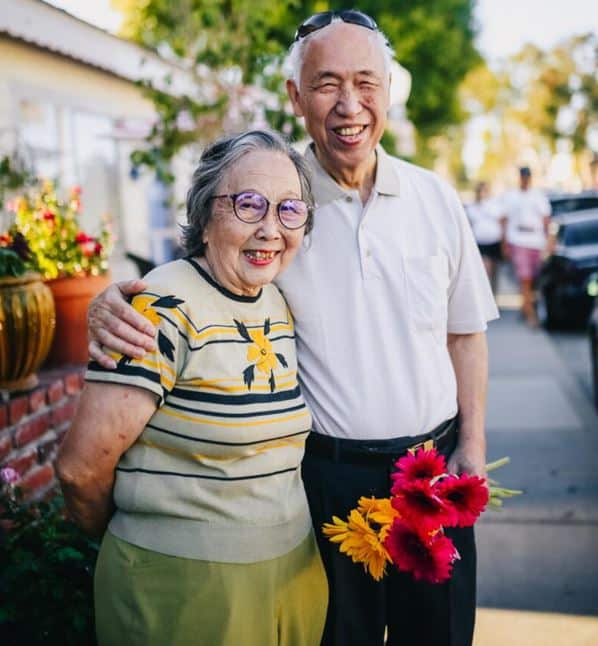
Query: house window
x=40, y=136
x=71, y=146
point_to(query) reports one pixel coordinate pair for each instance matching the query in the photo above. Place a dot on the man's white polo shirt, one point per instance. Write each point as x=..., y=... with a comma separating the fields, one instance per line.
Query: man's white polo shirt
x=374, y=293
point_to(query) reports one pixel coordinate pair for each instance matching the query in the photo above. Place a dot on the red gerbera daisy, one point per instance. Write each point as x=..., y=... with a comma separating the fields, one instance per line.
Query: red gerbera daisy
x=428, y=557
x=422, y=465
x=467, y=495
x=419, y=503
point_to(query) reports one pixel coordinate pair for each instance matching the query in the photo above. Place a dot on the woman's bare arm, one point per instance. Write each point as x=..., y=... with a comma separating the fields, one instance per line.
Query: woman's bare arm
x=108, y=420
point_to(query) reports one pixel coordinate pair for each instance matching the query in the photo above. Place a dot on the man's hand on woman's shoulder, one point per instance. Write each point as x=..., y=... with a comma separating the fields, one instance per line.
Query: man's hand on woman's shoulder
x=115, y=325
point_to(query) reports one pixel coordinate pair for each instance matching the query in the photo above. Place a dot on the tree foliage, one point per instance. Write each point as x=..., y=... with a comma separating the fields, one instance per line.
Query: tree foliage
x=535, y=99
x=433, y=40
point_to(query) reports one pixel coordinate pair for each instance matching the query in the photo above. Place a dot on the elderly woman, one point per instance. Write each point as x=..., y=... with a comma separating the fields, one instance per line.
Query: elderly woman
x=188, y=460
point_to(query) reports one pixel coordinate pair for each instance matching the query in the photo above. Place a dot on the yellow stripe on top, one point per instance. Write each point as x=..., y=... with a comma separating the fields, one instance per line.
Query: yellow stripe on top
x=211, y=383
x=239, y=423
x=228, y=331
x=268, y=445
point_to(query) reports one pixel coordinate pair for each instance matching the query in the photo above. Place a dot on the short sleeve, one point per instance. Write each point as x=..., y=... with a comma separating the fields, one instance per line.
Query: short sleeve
x=470, y=301
x=157, y=371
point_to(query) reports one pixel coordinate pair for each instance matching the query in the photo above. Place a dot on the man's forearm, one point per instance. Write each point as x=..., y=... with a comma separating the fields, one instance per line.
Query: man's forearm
x=469, y=356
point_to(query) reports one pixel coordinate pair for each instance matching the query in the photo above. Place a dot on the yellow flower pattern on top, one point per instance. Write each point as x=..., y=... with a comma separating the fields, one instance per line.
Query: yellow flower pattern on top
x=142, y=304
x=260, y=353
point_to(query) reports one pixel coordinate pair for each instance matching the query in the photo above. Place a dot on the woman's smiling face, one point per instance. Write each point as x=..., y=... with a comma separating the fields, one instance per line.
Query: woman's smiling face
x=243, y=257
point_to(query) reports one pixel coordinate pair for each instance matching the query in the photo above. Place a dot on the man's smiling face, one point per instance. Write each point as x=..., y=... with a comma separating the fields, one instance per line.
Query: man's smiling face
x=343, y=95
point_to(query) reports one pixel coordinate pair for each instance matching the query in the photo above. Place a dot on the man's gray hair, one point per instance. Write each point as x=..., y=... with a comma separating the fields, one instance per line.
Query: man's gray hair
x=215, y=161
x=294, y=59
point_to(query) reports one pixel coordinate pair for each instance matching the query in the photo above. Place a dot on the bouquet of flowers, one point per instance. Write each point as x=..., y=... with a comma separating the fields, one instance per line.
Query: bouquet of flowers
x=407, y=529
x=58, y=245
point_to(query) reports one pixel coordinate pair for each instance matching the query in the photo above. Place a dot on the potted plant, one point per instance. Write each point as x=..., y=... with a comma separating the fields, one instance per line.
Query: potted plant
x=73, y=263
x=26, y=316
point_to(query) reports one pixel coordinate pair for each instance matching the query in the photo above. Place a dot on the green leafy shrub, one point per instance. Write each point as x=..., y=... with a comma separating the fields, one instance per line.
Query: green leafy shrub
x=46, y=572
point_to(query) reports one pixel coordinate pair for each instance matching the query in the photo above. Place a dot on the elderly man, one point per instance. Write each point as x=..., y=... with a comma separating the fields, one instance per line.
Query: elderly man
x=391, y=302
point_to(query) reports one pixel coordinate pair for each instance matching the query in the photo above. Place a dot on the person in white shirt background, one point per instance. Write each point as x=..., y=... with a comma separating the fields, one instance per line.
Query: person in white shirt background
x=527, y=240
x=485, y=217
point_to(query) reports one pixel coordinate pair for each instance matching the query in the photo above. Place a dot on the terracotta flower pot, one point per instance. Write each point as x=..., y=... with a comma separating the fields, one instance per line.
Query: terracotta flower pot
x=26, y=329
x=72, y=296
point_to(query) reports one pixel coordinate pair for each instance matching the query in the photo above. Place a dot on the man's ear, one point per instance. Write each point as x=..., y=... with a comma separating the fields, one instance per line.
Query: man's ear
x=293, y=92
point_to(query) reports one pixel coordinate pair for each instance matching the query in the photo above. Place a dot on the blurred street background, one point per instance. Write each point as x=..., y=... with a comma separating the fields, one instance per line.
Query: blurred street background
x=537, y=557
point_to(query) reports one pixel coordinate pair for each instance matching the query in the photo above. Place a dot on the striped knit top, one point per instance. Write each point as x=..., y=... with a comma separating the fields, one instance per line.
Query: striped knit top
x=215, y=474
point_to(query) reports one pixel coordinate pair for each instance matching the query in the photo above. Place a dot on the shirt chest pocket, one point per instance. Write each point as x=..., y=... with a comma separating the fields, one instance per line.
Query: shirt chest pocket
x=426, y=281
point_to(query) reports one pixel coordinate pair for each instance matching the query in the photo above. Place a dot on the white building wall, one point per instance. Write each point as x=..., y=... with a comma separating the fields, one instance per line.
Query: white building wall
x=72, y=121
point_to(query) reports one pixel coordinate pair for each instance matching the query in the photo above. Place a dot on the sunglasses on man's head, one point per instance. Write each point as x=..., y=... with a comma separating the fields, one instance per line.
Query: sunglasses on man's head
x=324, y=18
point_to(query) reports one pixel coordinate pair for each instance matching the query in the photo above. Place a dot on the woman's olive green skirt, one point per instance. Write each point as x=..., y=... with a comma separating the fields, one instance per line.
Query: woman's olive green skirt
x=144, y=598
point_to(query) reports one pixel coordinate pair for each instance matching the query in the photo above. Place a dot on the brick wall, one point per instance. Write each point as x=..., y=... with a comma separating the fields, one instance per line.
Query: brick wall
x=33, y=424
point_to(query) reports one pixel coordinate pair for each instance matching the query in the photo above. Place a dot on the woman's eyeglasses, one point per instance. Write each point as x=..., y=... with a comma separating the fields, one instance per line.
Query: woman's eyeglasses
x=251, y=207
x=324, y=18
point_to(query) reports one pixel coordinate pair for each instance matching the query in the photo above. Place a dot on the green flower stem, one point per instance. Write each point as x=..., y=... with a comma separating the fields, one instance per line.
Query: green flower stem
x=491, y=466
x=498, y=493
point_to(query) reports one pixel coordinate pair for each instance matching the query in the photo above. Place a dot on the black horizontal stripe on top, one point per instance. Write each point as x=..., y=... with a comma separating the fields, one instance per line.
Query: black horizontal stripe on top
x=203, y=441
x=249, y=398
x=125, y=369
x=240, y=340
x=196, y=411
x=195, y=475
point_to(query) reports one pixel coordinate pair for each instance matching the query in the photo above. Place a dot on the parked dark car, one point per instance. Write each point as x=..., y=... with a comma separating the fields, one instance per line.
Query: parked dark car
x=571, y=202
x=563, y=299
x=593, y=332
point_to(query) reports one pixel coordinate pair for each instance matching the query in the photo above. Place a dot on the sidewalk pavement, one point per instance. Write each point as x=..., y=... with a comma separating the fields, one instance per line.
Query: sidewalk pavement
x=518, y=628
x=538, y=572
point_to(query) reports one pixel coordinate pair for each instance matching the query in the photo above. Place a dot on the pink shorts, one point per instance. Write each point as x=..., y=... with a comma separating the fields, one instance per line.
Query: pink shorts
x=526, y=262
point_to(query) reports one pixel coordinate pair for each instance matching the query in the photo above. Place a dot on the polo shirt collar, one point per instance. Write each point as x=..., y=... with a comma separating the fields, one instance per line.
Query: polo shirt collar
x=326, y=190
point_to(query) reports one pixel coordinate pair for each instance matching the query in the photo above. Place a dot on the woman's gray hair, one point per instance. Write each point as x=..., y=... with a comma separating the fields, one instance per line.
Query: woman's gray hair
x=215, y=161
x=294, y=59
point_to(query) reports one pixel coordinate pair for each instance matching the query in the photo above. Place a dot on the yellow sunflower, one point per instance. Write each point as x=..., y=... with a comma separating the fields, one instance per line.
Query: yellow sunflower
x=360, y=541
x=380, y=511
x=260, y=352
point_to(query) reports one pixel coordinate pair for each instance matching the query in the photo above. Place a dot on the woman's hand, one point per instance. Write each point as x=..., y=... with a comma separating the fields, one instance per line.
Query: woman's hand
x=114, y=324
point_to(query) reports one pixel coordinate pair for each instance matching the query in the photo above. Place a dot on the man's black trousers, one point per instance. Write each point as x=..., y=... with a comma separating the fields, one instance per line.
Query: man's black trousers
x=361, y=609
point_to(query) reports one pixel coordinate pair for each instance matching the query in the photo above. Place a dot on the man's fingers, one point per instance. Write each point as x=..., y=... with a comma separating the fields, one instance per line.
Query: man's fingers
x=458, y=464
x=115, y=325
x=116, y=343
x=120, y=309
x=95, y=352
x=131, y=287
